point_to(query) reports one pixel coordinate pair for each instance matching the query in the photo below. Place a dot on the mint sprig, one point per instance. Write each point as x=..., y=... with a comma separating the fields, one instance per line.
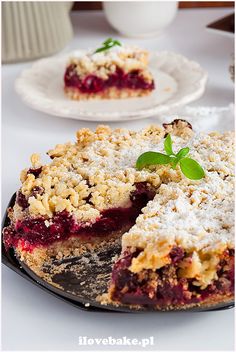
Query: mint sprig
x=168, y=145
x=152, y=158
x=189, y=167
x=108, y=44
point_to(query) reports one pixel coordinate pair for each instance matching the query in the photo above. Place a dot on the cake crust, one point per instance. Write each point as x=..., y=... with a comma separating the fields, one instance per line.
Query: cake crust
x=108, y=93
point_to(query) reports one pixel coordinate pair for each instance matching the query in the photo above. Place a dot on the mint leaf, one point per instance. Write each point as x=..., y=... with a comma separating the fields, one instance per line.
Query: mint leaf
x=168, y=145
x=182, y=153
x=116, y=42
x=100, y=49
x=191, y=169
x=107, y=44
x=107, y=41
x=152, y=158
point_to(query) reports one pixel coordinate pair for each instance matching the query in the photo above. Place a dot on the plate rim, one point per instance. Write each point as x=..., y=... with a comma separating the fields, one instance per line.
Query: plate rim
x=23, y=81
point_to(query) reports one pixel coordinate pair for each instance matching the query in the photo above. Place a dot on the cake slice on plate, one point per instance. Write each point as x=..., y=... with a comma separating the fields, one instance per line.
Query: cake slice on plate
x=110, y=72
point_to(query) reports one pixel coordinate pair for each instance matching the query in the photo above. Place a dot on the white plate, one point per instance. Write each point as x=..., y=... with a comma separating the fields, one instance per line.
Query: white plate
x=178, y=82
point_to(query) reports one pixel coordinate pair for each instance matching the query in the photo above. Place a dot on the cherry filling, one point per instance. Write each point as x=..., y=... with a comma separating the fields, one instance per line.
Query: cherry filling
x=95, y=84
x=35, y=172
x=33, y=232
x=163, y=287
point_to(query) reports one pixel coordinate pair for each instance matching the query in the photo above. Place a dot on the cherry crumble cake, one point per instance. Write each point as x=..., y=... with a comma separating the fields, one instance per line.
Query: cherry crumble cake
x=112, y=71
x=176, y=231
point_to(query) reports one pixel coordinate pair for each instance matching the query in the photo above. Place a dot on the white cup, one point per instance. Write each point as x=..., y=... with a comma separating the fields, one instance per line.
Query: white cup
x=140, y=19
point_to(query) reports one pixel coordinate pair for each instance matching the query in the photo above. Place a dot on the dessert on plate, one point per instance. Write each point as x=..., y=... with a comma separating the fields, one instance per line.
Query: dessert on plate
x=110, y=72
x=165, y=192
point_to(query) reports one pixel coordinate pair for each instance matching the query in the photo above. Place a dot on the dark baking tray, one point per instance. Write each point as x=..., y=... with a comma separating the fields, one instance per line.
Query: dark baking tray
x=81, y=298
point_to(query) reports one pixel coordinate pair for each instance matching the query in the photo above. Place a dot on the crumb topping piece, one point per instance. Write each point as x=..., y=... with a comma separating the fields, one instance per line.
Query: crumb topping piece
x=105, y=63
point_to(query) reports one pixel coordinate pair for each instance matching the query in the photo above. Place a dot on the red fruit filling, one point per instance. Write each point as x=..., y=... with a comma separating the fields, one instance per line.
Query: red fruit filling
x=33, y=232
x=35, y=172
x=163, y=287
x=95, y=84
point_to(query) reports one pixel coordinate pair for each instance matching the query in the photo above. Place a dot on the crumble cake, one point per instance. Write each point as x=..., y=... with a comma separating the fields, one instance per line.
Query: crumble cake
x=111, y=72
x=177, y=234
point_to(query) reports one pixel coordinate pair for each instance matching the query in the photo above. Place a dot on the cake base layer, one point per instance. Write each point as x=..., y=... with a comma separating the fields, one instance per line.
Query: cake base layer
x=208, y=304
x=61, y=252
x=108, y=93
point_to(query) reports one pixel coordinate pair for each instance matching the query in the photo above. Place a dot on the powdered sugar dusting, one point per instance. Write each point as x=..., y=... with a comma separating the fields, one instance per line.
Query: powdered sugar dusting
x=101, y=166
x=104, y=63
x=193, y=215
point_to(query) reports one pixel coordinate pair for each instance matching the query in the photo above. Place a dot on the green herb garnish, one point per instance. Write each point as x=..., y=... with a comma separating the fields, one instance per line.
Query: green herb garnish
x=189, y=167
x=108, y=44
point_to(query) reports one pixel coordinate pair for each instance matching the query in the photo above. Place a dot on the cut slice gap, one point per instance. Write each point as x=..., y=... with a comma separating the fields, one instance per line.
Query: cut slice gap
x=50, y=258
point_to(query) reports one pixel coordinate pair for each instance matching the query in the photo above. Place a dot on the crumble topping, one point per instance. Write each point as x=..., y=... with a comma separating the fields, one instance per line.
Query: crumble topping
x=103, y=64
x=100, y=167
x=98, y=172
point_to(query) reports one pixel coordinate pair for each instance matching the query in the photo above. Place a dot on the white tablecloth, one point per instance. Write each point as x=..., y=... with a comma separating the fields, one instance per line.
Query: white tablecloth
x=34, y=320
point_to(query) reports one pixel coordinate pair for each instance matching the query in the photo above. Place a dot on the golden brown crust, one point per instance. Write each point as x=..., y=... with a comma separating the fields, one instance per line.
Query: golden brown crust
x=108, y=93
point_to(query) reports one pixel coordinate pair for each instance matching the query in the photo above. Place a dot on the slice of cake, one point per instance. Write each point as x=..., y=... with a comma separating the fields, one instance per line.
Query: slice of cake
x=110, y=72
x=174, y=214
x=181, y=250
